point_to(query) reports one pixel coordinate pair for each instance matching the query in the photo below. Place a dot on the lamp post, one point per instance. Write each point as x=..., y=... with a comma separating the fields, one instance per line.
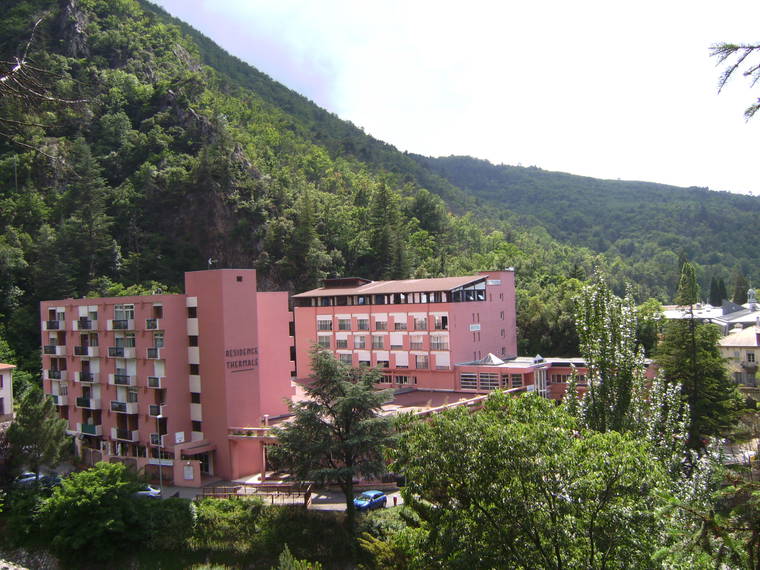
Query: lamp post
x=160, y=464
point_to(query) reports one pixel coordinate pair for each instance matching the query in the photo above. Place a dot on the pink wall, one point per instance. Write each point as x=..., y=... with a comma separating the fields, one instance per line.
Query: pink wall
x=275, y=366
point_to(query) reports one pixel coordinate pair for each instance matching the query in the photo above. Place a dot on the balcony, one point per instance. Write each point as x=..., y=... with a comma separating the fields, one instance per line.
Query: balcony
x=153, y=324
x=59, y=400
x=439, y=346
x=154, y=353
x=53, y=325
x=415, y=346
x=158, y=440
x=156, y=410
x=124, y=407
x=54, y=349
x=55, y=374
x=84, y=324
x=156, y=382
x=124, y=434
x=86, y=377
x=121, y=325
x=90, y=429
x=119, y=379
x=88, y=403
x=121, y=352
x=91, y=351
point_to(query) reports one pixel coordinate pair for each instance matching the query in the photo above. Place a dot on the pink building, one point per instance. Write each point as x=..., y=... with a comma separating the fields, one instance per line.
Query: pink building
x=164, y=379
x=415, y=329
x=6, y=391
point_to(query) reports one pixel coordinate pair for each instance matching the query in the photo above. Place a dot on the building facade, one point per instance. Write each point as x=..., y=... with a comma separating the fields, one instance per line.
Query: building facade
x=6, y=392
x=741, y=349
x=163, y=380
x=415, y=330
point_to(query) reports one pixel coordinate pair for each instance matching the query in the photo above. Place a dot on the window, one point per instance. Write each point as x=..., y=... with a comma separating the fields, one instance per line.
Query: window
x=131, y=395
x=324, y=325
x=344, y=324
x=377, y=341
x=405, y=380
x=197, y=426
x=381, y=326
x=421, y=361
x=323, y=341
x=385, y=379
x=468, y=380
x=192, y=312
x=123, y=312
x=158, y=339
x=346, y=359
x=383, y=364
x=195, y=397
x=158, y=312
x=415, y=343
x=517, y=380
x=559, y=378
x=341, y=343
x=750, y=356
x=195, y=369
x=441, y=323
x=420, y=323
x=489, y=381
x=362, y=324
x=192, y=340
x=439, y=343
x=360, y=341
x=364, y=363
x=399, y=325
x=239, y=278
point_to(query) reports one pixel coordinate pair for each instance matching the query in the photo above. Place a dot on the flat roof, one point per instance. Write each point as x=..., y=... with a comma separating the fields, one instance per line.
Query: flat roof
x=397, y=286
x=6, y=366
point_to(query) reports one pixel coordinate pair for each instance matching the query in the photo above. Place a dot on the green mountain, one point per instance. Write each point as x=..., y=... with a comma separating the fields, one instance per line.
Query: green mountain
x=132, y=149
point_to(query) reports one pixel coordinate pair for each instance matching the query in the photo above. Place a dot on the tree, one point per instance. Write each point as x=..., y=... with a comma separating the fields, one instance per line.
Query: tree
x=689, y=357
x=518, y=485
x=94, y=512
x=337, y=434
x=740, y=288
x=37, y=435
x=607, y=331
x=738, y=56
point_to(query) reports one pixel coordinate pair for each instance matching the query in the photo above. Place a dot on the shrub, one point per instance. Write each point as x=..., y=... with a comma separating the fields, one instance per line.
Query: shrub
x=226, y=524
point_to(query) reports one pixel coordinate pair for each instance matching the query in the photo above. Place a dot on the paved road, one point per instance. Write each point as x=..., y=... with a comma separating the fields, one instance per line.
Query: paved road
x=335, y=501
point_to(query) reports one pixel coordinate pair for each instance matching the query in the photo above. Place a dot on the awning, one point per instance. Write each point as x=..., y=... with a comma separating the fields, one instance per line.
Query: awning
x=198, y=447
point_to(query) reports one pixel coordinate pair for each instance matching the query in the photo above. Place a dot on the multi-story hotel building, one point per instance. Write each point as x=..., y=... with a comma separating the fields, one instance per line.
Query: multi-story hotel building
x=416, y=330
x=165, y=379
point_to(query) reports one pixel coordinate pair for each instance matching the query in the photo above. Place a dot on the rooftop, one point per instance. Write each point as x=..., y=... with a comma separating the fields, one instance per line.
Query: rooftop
x=353, y=286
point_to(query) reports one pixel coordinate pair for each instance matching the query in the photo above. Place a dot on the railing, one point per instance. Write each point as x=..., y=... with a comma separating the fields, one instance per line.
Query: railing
x=59, y=400
x=85, y=351
x=415, y=346
x=116, y=351
x=53, y=325
x=154, y=352
x=56, y=374
x=49, y=349
x=84, y=324
x=155, y=382
x=91, y=429
x=122, y=379
x=120, y=324
x=158, y=440
x=439, y=346
x=89, y=403
x=86, y=377
x=124, y=434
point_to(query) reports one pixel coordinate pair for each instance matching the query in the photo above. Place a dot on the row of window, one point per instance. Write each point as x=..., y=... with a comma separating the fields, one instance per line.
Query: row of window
x=489, y=381
x=421, y=361
x=565, y=378
x=378, y=343
x=419, y=324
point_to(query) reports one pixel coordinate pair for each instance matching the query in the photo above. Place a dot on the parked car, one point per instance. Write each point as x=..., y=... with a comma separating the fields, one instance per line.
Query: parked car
x=370, y=500
x=29, y=479
x=148, y=491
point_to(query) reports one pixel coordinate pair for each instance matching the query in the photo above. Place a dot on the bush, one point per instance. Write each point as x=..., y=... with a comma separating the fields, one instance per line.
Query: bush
x=226, y=524
x=22, y=505
x=169, y=524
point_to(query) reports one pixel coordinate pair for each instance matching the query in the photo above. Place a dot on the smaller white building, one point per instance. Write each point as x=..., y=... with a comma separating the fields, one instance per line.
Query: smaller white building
x=6, y=392
x=741, y=349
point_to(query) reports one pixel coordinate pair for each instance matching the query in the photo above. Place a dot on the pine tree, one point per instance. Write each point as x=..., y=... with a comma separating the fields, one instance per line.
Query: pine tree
x=688, y=357
x=37, y=435
x=740, y=288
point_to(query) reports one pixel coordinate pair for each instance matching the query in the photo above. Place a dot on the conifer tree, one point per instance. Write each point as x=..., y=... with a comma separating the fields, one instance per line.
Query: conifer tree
x=740, y=288
x=37, y=435
x=688, y=357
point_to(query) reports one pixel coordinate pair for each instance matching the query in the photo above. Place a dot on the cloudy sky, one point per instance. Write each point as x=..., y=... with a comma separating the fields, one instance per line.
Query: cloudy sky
x=607, y=89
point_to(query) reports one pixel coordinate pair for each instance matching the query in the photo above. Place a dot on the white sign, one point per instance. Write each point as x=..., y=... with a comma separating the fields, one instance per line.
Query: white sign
x=179, y=437
x=474, y=328
x=188, y=473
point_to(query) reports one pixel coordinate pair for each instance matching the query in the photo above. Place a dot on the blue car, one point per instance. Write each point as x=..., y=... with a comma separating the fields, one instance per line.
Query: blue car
x=369, y=500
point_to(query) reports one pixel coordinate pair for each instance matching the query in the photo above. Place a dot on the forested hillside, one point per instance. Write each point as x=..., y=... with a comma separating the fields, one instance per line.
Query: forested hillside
x=153, y=151
x=638, y=221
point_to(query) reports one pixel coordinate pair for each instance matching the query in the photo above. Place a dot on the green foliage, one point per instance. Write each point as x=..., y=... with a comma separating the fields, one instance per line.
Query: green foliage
x=226, y=524
x=289, y=562
x=607, y=333
x=93, y=513
x=37, y=435
x=689, y=357
x=517, y=485
x=337, y=434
